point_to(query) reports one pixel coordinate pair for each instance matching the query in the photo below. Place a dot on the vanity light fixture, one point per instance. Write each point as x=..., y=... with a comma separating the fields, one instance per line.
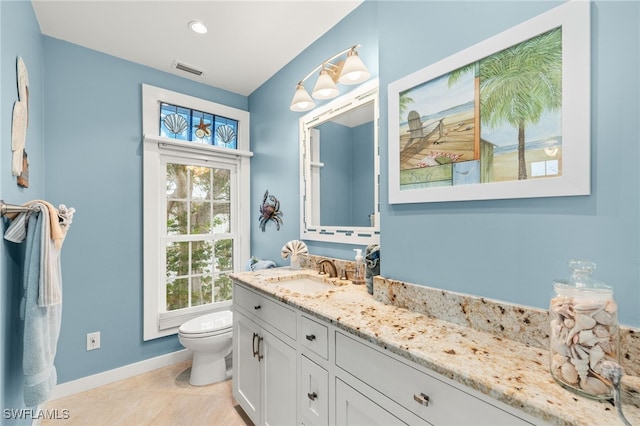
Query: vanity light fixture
x=198, y=27
x=349, y=71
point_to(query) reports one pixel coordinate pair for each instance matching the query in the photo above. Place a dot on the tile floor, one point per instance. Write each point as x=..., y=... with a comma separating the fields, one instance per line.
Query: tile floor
x=159, y=397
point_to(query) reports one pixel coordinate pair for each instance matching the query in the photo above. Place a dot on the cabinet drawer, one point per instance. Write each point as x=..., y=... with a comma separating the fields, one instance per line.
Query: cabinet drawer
x=432, y=399
x=314, y=336
x=314, y=393
x=272, y=313
x=353, y=408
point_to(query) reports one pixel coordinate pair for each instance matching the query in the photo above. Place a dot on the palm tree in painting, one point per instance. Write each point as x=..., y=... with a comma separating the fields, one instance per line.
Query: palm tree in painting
x=404, y=102
x=518, y=84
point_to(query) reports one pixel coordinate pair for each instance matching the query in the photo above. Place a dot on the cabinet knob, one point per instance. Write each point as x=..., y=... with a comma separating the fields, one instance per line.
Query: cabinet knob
x=310, y=337
x=421, y=399
x=312, y=396
x=257, y=307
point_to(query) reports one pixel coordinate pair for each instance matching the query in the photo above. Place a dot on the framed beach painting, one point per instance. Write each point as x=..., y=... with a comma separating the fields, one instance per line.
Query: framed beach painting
x=506, y=118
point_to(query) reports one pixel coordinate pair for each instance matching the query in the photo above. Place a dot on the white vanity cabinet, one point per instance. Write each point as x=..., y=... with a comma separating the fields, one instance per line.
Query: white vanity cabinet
x=291, y=367
x=264, y=358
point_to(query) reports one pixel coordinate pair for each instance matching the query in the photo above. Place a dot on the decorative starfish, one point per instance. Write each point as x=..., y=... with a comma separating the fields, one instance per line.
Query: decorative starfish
x=203, y=129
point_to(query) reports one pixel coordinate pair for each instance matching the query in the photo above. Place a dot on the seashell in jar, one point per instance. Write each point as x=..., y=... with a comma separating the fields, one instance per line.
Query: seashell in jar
x=564, y=333
x=611, y=307
x=604, y=317
x=594, y=386
x=583, y=322
x=587, y=338
x=606, y=346
x=595, y=356
x=560, y=348
x=557, y=360
x=580, y=360
x=588, y=307
x=569, y=322
x=601, y=331
x=556, y=327
x=562, y=306
x=569, y=373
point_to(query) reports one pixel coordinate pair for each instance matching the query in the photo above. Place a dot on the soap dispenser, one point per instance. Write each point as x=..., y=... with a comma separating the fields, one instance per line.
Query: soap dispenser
x=358, y=274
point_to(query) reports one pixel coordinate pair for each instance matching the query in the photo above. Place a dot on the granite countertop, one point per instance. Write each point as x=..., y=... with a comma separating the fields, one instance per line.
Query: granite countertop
x=512, y=372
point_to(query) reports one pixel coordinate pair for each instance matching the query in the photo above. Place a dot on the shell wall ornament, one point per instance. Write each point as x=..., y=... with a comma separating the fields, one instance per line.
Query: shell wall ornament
x=175, y=123
x=270, y=210
x=20, y=119
x=294, y=249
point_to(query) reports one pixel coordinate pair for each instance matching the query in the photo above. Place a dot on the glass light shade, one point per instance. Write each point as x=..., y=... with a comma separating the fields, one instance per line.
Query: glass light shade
x=301, y=100
x=198, y=27
x=325, y=88
x=354, y=71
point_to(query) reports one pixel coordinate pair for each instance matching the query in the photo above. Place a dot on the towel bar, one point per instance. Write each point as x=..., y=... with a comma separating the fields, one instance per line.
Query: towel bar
x=14, y=208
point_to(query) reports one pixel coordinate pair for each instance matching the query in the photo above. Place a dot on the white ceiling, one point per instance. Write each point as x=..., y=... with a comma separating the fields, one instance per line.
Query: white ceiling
x=248, y=40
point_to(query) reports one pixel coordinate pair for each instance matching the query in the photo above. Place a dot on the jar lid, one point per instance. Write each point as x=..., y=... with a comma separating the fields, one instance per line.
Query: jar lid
x=581, y=279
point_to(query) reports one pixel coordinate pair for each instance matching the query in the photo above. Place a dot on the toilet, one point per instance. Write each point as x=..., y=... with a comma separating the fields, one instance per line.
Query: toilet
x=210, y=339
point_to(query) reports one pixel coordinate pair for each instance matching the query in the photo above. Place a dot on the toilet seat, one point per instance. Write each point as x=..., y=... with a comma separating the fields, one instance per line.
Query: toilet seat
x=208, y=325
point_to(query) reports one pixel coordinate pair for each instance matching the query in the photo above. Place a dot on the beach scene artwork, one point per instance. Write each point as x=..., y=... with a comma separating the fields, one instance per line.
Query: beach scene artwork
x=494, y=120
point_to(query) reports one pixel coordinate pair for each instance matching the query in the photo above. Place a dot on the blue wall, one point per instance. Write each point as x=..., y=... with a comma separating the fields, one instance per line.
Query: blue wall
x=346, y=154
x=513, y=249
x=274, y=132
x=362, y=199
x=504, y=249
x=335, y=154
x=19, y=36
x=90, y=105
x=94, y=163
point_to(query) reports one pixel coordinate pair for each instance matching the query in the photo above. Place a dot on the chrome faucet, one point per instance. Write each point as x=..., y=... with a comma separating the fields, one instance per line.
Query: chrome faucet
x=333, y=271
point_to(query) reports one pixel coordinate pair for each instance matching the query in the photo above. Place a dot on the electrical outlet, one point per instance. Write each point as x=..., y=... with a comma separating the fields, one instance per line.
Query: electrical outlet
x=93, y=341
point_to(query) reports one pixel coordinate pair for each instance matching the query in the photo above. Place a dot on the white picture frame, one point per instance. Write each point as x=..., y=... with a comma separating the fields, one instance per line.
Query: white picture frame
x=450, y=154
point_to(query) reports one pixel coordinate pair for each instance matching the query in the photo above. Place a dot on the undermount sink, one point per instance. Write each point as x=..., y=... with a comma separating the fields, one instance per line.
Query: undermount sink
x=304, y=284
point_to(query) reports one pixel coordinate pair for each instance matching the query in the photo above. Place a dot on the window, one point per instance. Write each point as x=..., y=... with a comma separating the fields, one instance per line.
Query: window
x=197, y=240
x=195, y=181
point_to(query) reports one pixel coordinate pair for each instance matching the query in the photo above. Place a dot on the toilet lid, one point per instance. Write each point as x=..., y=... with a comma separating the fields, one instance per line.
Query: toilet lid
x=210, y=324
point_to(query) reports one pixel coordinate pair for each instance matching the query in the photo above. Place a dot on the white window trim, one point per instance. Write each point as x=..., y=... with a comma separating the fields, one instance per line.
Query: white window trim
x=156, y=323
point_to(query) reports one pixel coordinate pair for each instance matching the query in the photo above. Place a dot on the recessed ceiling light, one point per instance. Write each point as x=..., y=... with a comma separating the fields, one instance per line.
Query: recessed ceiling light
x=198, y=27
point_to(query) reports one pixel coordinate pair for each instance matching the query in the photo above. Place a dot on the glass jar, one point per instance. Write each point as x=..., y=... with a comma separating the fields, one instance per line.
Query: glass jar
x=584, y=331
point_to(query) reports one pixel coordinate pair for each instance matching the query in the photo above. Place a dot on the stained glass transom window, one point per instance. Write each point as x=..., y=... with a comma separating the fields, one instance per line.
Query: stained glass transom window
x=196, y=126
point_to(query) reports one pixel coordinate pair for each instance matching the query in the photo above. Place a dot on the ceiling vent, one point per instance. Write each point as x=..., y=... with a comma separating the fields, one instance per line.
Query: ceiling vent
x=186, y=68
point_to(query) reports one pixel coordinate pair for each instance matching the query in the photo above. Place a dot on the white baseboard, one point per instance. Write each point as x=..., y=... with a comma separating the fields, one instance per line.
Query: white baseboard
x=106, y=377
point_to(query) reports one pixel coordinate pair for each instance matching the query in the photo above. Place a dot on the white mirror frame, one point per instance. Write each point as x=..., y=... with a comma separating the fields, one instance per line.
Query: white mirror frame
x=365, y=93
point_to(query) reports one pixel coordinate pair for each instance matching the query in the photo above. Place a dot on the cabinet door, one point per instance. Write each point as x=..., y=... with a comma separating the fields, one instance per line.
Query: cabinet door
x=353, y=408
x=246, y=367
x=314, y=393
x=278, y=381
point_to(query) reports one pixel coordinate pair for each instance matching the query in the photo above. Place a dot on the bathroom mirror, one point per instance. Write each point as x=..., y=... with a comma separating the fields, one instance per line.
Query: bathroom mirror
x=340, y=168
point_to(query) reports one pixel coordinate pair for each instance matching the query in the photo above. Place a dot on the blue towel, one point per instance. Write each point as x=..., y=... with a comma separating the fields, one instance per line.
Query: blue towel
x=255, y=264
x=41, y=324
